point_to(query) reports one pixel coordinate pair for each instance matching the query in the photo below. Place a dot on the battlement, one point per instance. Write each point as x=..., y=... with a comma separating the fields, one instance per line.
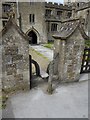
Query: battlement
x=57, y=6
x=82, y=5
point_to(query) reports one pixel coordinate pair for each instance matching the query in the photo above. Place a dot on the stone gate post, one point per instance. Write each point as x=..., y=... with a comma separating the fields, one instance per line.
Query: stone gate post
x=70, y=41
x=61, y=59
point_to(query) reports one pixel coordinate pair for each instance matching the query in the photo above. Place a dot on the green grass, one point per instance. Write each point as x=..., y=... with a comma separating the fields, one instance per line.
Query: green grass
x=39, y=54
x=87, y=43
x=0, y=97
x=3, y=100
x=48, y=45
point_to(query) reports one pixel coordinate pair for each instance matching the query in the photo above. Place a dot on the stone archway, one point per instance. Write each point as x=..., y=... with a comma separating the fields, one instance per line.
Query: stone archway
x=33, y=37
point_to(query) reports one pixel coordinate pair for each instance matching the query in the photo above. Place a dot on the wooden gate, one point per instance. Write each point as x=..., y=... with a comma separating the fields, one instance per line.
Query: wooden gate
x=85, y=68
x=37, y=67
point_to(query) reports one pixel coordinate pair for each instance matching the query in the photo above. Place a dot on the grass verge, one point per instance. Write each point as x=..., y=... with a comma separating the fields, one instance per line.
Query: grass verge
x=39, y=58
x=48, y=45
x=39, y=54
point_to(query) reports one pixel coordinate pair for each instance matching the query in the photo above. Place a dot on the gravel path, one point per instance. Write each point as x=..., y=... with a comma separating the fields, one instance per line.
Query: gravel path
x=44, y=51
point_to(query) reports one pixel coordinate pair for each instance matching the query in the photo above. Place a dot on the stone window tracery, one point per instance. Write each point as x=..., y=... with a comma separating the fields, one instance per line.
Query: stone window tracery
x=59, y=13
x=48, y=12
x=69, y=14
x=4, y=22
x=32, y=18
x=53, y=27
x=6, y=7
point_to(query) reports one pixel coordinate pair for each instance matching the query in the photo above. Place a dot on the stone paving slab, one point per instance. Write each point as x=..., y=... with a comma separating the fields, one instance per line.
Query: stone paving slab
x=43, y=74
x=68, y=101
x=85, y=76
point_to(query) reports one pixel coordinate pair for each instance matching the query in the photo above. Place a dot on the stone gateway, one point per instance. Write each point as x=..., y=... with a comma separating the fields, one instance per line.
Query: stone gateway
x=15, y=57
x=69, y=47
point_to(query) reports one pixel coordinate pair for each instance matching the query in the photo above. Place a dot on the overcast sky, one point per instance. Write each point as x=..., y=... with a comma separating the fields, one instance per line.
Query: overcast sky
x=58, y=1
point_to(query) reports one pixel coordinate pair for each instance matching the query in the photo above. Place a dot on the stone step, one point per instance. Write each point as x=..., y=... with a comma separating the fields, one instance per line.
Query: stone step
x=84, y=77
x=43, y=74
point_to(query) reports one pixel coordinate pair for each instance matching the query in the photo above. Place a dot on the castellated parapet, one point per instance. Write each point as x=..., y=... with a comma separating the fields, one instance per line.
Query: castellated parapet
x=82, y=6
x=57, y=6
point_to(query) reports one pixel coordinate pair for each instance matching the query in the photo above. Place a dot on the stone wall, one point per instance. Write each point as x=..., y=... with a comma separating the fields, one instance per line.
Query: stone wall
x=68, y=55
x=15, y=60
x=0, y=16
x=74, y=49
x=49, y=32
x=85, y=13
x=38, y=9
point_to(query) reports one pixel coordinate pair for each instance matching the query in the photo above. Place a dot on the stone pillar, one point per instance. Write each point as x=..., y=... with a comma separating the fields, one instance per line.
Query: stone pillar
x=74, y=13
x=1, y=60
x=56, y=55
x=88, y=24
x=49, y=88
x=64, y=15
x=61, y=59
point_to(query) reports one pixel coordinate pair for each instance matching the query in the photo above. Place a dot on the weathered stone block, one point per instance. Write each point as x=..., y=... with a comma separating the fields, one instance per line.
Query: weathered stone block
x=70, y=57
x=18, y=77
x=11, y=50
x=11, y=69
x=8, y=81
x=76, y=47
x=17, y=57
x=71, y=74
x=19, y=64
x=8, y=59
x=74, y=61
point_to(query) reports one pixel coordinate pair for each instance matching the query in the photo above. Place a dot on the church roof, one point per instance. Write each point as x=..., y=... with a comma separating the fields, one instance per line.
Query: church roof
x=12, y=22
x=68, y=27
